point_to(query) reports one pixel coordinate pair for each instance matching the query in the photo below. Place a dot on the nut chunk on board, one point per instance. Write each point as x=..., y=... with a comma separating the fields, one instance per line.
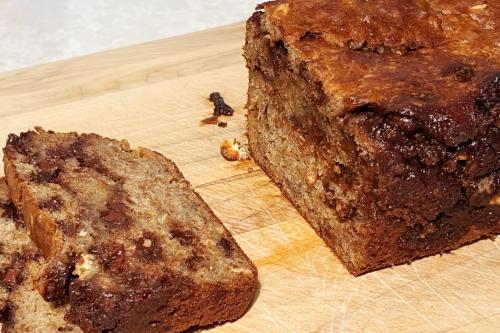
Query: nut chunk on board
x=380, y=121
x=128, y=243
x=22, y=309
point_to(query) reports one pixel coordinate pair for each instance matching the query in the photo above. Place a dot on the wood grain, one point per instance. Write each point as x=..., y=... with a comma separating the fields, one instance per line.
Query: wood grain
x=155, y=95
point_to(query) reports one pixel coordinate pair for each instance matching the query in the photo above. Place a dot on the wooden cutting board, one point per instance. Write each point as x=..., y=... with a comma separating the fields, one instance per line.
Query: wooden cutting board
x=155, y=95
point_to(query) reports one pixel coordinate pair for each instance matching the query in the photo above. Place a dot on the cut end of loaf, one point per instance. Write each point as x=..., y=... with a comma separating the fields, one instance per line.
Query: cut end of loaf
x=384, y=172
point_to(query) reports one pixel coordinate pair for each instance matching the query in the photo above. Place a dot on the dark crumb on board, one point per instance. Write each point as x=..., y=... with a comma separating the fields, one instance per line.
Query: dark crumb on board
x=220, y=107
x=213, y=120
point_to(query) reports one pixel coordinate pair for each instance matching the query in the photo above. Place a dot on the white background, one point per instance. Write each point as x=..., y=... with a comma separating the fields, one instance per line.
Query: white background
x=40, y=31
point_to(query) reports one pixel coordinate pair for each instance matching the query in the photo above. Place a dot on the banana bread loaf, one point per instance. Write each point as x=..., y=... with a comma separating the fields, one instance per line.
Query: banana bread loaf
x=128, y=243
x=380, y=121
x=22, y=309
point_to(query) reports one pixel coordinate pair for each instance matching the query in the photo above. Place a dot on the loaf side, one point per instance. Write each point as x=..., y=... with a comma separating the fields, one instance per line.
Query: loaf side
x=385, y=137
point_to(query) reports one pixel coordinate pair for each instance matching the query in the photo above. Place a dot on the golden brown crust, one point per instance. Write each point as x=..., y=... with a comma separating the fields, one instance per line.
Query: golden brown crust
x=363, y=53
x=341, y=23
x=462, y=27
x=43, y=231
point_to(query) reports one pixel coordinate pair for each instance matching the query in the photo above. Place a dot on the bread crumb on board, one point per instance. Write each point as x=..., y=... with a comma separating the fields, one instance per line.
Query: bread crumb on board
x=233, y=150
x=221, y=108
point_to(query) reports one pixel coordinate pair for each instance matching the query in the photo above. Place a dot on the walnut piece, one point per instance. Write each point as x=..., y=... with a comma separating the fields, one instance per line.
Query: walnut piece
x=232, y=150
x=86, y=266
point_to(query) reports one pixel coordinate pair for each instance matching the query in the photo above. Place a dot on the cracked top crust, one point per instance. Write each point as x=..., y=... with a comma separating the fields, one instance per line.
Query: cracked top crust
x=465, y=27
x=434, y=62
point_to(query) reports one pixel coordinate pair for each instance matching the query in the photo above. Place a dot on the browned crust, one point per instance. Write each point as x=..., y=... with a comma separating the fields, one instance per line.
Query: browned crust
x=42, y=229
x=342, y=22
x=19, y=252
x=176, y=306
x=430, y=73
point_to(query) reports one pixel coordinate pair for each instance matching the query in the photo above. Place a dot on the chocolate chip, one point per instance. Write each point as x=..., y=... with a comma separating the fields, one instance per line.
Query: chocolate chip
x=226, y=246
x=67, y=228
x=13, y=274
x=489, y=95
x=8, y=210
x=13, y=139
x=116, y=215
x=148, y=247
x=53, y=284
x=185, y=237
x=5, y=312
x=111, y=256
x=77, y=150
x=46, y=176
x=220, y=107
x=194, y=262
x=19, y=142
x=52, y=204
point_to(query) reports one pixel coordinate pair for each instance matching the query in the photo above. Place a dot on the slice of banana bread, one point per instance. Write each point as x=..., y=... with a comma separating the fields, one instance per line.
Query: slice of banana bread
x=127, y=241
x=379, y=120
x=22, y=309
